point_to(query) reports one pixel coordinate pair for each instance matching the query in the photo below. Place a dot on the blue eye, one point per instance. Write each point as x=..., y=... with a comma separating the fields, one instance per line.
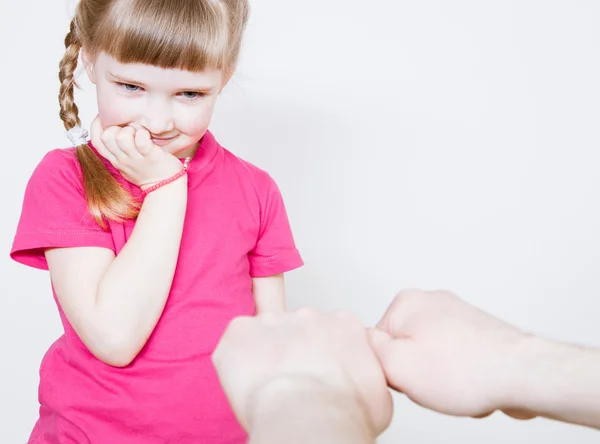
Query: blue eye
x=129, y=87
x=191, y=95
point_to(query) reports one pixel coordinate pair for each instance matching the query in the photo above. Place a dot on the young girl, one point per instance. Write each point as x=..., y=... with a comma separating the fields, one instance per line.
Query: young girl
x=155, y=236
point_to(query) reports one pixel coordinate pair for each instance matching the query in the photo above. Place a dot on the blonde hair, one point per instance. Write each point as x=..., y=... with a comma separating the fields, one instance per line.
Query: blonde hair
x=193, y=35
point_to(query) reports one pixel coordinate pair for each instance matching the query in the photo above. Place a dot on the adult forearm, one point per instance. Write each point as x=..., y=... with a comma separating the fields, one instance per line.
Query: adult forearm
x=562, y=382
x=134, y=289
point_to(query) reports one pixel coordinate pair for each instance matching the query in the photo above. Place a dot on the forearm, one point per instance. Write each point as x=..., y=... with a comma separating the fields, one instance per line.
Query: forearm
x=274, y=305
x=134, y=289
x=269, y=294
x=305, y=411
x=561, y=382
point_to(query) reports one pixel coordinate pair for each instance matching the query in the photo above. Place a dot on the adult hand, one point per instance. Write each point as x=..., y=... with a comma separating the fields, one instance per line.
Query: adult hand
x=448, y=356
x=303, y=350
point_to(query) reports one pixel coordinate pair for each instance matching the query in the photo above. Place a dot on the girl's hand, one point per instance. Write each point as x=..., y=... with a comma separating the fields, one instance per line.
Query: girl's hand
x=133, y=154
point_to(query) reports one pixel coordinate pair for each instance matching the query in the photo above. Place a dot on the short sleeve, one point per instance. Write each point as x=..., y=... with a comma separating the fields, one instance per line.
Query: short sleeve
x=55, y=213
x=275, y=251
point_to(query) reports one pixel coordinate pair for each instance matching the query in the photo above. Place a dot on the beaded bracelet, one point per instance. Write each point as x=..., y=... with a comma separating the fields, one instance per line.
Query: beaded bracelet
x=162, y=183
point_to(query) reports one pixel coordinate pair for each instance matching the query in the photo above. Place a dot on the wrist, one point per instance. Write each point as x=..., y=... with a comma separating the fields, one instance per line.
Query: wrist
x=151, y=187
x=304, y=409
x=177, y=175
x=536, y=377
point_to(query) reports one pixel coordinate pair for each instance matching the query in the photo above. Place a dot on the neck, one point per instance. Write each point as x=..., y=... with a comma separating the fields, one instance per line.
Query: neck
x=188, y=152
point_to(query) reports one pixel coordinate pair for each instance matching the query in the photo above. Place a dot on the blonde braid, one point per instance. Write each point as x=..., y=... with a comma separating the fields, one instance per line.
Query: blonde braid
x=106, y=198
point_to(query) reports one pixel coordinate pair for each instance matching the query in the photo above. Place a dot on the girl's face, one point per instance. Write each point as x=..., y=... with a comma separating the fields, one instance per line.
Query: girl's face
x=175, y=106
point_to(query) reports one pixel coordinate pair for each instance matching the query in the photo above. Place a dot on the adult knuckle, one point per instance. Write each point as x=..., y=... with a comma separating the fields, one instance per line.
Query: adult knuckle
x=409, y=294
x=306, y=311
x=349, y=319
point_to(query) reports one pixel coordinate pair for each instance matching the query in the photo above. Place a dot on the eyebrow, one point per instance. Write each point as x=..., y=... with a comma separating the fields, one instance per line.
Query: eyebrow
x=137, y=83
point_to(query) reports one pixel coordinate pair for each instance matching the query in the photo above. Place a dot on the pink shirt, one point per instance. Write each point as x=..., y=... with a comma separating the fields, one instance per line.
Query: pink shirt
x=236, y=228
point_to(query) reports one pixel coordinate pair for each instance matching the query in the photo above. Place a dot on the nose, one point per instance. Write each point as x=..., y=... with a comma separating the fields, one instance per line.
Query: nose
x=157, y=119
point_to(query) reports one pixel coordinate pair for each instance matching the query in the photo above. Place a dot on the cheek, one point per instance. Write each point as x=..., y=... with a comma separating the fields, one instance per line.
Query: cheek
x=195, y=121
x=113, y=109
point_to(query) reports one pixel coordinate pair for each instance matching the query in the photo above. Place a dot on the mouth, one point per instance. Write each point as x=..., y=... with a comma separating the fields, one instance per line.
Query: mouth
x=160, y=141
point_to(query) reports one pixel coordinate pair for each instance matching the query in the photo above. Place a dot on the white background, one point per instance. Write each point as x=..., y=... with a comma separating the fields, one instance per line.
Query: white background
x=422, y=143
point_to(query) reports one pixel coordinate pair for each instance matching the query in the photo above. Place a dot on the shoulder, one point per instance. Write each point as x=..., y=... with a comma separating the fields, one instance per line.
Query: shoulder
x=58, y=166
x=60, y=157
x=54, y=211
x=56, y=180
x=259, y=178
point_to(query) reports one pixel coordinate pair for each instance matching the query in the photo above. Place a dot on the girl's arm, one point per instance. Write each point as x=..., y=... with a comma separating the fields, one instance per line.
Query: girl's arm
x=113, y=303
x=269, y=294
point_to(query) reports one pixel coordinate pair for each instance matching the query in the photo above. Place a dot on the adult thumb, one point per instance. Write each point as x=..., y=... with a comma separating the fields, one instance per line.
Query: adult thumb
x=395, y=356
x=377, y=337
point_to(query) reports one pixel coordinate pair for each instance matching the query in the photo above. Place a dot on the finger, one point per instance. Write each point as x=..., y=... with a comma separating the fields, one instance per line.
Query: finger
x=522, y=415
x=347, y=316
x=306, y=312
x=348, y=325
x=399, y=312
x=96, y=129
x=377, y=337
x=96, y=135
x=143, y=141
x=377, y=389
x=380, y=343
x=125, y=139
x=396, y=357
x=384, y=412
x=108, y=138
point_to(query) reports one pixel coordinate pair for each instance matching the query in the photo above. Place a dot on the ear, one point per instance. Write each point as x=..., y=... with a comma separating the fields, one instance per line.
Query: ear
x=88, y=65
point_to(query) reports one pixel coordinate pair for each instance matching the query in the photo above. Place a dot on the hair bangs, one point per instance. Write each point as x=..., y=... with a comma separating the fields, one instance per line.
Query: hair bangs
x=181, y=34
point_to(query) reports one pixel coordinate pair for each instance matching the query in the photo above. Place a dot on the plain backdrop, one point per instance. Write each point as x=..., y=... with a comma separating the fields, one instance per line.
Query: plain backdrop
x=432, y=144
